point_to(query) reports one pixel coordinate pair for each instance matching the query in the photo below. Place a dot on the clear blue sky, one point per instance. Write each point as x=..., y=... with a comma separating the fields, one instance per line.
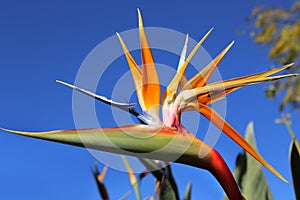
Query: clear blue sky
x=46, y=40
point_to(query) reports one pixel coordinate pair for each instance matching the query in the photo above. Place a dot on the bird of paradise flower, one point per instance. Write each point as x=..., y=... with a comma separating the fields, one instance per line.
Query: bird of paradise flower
x=181, y=95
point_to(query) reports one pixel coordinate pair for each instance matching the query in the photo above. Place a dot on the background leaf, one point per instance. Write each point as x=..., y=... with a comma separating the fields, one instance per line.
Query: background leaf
x=249, y=174
x=166, y=191
x=164, y=175
x=295, y=167
x=132, y=178
x=188, y=191
x=99, y=180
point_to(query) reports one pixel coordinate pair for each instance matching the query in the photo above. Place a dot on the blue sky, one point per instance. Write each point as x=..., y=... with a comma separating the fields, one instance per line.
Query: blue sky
x=46, y=40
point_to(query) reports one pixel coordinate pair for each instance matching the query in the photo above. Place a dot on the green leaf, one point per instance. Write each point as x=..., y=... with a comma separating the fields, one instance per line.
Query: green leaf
x=170, y=177
x=132, y=179
x=188, y=191
x=249, y=174
x=144, y=141
x=295, y=166
x=166, y=191
x=163, y=174
x=99, y=180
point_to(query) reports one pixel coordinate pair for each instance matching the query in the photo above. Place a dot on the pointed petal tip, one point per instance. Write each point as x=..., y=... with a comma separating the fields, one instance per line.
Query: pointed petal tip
x=208, y=32
x=284, y=67
x=102, y=174
x=66, y=84
x=140, y=18
x=227, y=48
x=186, y=37
x=205, y=36
x=4, y=129
x=285, y=76
x=287, y=66
x=57, y=81
x=8, y=130
x=282, y=178
x=11, y=131
x=121, y=41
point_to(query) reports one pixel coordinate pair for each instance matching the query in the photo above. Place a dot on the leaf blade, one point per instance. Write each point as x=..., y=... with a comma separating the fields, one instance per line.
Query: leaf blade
x=249, y=173
x=295, y=166
x=99, y=180
x=132, y=178
x=188, y=192
x=164, y=145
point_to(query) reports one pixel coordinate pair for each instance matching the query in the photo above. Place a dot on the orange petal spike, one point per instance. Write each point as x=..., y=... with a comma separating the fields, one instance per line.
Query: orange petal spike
x=264, y=74
x=183, y=80
x=219, y=122
x=172, y=87
x=271, y=71
x=182, y=68
x=202, y=77
x=208, y=99
x=151, y=86
x=101, y=176
x=261, y=74
x=219, y=87
x=136, y=73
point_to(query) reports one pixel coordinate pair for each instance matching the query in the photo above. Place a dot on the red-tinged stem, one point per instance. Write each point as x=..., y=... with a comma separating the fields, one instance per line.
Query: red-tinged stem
x=215, y=164
x=221, y=172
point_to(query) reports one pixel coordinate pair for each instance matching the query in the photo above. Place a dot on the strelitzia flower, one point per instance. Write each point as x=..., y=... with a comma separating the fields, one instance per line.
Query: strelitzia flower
x=181, y=95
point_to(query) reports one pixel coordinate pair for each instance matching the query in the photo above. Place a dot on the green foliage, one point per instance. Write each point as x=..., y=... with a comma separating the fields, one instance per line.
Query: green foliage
x=166, y=191
x=99, y=180
x=188, y=192
x=164, y=176
x=132, y=178
x=294, y=154
x=295, y=166
x=165, y=188
x=249, y=174
x=279, y=29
